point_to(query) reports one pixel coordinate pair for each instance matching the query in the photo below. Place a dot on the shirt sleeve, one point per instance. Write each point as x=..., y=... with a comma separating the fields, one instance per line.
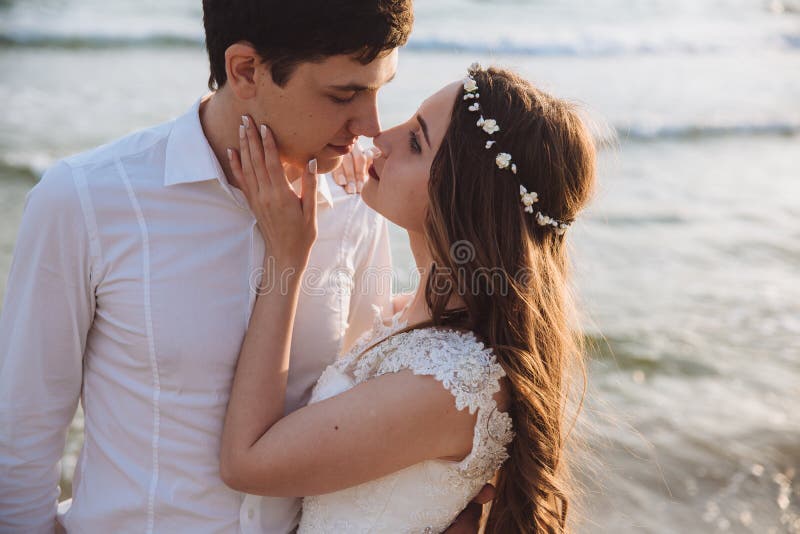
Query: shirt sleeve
x=46, y=314
x=372, y=284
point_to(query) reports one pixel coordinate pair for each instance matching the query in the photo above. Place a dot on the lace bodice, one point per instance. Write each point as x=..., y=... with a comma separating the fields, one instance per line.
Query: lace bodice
x=425, y=497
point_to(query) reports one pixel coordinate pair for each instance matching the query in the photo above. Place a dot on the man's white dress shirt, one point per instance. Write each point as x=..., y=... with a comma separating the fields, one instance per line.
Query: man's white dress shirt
x=130, y=289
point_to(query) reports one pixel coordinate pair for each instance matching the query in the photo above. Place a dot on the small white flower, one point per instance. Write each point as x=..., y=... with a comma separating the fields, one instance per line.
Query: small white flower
x=489, y=144
x=503, y=160
x=542, y=219
x=489, y=125
x=514, y=168
x=470, y=85
x=528, y=199
x=474, y=107
x=481, y=121
x=469, y=96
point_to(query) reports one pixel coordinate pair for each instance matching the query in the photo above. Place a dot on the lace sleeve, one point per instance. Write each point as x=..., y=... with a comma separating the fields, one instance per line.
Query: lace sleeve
x=468, y=370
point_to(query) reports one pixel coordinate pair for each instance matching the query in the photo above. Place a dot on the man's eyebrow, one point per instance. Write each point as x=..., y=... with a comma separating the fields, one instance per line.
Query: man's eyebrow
x=359, y=87
x=424, y=129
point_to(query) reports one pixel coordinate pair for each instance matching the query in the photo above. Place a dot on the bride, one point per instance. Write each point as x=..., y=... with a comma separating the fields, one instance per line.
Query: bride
x=470, y=377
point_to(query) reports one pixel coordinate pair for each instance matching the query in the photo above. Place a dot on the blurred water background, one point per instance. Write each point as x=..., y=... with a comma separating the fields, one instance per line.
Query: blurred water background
x=687, y=263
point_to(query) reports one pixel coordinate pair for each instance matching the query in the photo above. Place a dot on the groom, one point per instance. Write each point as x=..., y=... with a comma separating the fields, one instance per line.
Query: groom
x=132, y=279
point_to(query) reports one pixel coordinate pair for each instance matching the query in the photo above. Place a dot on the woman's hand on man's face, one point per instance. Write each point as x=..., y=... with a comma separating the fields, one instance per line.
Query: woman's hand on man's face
x=288, y=222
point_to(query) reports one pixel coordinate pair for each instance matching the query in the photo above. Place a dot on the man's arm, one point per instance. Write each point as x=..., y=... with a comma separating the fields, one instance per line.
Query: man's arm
x=47, y=312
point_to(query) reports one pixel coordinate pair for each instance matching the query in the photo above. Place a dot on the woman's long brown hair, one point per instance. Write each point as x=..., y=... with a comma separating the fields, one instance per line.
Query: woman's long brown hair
x=512, y=275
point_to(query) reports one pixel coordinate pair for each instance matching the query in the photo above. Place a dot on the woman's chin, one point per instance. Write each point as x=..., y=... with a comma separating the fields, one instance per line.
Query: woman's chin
x=369, y=194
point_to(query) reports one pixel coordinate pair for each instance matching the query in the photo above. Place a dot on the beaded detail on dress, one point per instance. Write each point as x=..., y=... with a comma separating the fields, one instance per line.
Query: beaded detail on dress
x=425, y=497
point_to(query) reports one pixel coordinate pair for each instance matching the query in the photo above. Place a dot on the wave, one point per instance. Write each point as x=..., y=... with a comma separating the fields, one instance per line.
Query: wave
x=16, y=171
x=690, y=132
x=576, y=46
x=40, y=40
x=618, y=354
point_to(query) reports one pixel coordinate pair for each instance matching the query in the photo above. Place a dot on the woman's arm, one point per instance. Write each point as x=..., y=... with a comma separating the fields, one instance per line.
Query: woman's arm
x=381, y=426
x=288, y=226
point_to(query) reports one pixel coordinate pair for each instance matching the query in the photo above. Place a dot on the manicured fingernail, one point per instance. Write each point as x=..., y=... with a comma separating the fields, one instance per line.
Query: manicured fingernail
x=230, y=154
x=246, y=121
x=263, y=130
x=359, y=186
x=351, y=188
x=312, y=166
x=241, y=131
x=374, y=152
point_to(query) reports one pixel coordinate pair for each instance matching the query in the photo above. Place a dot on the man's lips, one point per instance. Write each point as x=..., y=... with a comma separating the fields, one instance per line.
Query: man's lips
x=373, y=173
x=342, y=149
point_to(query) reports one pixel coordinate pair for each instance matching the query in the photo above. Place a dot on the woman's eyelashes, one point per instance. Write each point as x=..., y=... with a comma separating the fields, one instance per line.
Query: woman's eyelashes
x=414, y=143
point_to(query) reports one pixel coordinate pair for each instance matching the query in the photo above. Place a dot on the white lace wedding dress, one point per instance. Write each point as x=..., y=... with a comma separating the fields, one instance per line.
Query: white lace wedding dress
x=424, y=497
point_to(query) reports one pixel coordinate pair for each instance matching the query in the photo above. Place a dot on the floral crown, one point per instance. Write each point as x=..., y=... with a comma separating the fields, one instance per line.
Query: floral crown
x=504, y=160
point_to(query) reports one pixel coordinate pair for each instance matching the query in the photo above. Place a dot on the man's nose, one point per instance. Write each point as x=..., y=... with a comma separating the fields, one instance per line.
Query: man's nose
x=367, y=122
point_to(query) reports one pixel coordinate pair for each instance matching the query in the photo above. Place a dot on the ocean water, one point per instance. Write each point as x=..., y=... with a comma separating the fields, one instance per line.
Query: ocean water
x=686, y=263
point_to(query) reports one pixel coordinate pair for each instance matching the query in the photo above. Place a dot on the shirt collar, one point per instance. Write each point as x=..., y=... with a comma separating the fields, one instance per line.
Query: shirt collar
x=190, y=159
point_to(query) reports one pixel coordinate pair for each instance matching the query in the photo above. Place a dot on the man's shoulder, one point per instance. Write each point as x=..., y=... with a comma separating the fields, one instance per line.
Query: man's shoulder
x=153, y=138
x=62, y=184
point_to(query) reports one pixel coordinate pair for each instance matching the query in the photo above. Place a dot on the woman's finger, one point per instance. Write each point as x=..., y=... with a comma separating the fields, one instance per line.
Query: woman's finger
x=350, y=173
x=360, y=167
x=275, y=168
x=338, y=176
x=246, y=162
x=309, y=192
x=256, y=153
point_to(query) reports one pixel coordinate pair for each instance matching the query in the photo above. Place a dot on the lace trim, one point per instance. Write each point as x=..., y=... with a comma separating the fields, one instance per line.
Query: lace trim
x=467, y=369
x=424, y=497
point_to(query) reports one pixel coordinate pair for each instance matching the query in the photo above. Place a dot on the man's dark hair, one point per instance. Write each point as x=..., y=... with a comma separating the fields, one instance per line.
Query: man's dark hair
x=289, y=32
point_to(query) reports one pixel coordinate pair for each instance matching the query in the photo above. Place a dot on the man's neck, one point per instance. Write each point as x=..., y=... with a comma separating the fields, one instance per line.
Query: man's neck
x=220, y=119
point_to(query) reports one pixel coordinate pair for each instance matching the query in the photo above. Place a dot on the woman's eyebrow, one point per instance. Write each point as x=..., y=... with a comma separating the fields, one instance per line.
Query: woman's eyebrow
x=424, y=129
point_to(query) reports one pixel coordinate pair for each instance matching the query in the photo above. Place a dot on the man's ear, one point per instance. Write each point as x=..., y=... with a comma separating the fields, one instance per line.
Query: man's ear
x=241, y=64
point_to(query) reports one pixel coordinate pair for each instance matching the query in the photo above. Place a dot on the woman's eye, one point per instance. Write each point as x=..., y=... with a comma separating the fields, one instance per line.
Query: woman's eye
x=414, y=144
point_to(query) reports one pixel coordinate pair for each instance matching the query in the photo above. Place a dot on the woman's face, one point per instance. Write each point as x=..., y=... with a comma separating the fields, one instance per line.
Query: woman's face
x=398, y=183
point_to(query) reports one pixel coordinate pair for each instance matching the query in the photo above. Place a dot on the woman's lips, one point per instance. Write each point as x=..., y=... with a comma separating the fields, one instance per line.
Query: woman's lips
x=373, y=173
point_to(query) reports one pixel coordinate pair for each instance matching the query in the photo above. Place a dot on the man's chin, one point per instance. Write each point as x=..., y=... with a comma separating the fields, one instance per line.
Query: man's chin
x=326, y=164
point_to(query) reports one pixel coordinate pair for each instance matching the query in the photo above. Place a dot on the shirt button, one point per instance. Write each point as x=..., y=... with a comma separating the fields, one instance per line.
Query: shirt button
x=250, y=513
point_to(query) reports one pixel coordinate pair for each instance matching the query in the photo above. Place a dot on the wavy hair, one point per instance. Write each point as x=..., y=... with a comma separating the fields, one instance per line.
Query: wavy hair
x=524, y=310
